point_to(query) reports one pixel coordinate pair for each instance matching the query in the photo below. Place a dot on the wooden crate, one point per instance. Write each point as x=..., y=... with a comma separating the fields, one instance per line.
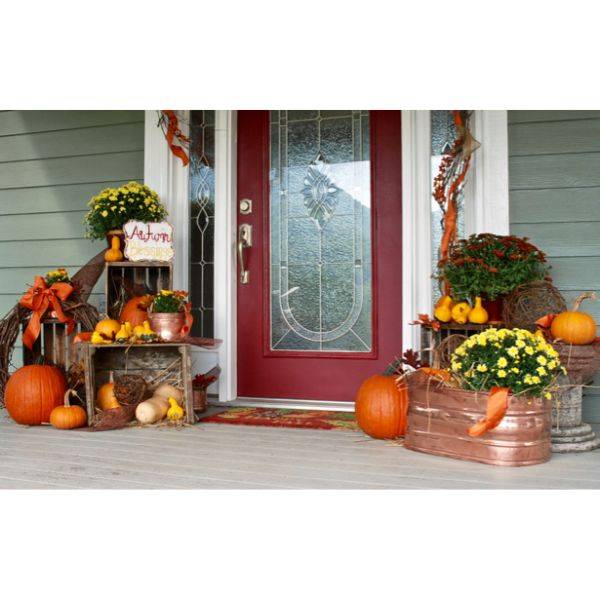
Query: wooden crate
x=146, y=277
x=53, y=345
x=147, y=360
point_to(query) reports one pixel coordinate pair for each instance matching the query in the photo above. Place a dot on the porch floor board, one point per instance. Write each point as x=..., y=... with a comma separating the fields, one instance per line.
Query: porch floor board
x=215, y=456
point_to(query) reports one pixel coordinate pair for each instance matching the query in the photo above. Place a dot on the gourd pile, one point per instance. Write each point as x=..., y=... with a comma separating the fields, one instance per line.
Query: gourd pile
x=165, y=402
x=447, y=311
x=109, y=331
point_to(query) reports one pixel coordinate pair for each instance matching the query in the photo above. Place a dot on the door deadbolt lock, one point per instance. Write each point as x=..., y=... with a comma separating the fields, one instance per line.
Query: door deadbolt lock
x=245, y=206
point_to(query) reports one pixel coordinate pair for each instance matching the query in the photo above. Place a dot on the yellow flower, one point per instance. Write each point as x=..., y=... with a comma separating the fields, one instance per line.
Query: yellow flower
x=520, y=343
x=515, y=370
x=148, y=201
x=513, y=351
x=482, y=341
x=501, y=373
x=166, y=292
x=502, y=362
x=470, y=342
x=548, y=396
x=104, y=213
x=541, y=370
x=460, y=351
x=456, y=366
x=482, y=368
x=552, y=365
x=535, y=379
x=542, y=360
x=529, y=350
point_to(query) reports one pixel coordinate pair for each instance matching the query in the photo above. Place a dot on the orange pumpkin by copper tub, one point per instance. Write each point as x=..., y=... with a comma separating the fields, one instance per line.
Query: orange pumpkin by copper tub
x=68, y=416
x=32, y=393
x=136, y=310
x=381, y=407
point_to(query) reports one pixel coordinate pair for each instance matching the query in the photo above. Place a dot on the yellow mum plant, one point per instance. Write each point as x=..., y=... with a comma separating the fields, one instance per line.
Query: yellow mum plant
x=517, y=359
x=113, y=207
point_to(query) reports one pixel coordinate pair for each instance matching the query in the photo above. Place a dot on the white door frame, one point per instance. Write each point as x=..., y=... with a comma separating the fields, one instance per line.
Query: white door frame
x=486, y=209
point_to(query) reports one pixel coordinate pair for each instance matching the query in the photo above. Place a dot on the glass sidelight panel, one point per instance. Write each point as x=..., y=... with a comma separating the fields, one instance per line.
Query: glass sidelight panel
x=320, y=231
x=202, y=226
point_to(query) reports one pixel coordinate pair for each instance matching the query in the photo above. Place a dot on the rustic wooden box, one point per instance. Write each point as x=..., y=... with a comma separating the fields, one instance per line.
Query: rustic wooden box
x=147, y=360
x=125, y=277
x=53, y=344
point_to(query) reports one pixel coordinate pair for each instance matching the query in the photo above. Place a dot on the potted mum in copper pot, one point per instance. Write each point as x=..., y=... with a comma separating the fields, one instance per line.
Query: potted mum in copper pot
x=497, y=407
x=169, y=315
x=491, y=266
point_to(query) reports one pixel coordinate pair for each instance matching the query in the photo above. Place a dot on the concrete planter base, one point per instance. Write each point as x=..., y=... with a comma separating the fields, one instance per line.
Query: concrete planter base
x=569, y=432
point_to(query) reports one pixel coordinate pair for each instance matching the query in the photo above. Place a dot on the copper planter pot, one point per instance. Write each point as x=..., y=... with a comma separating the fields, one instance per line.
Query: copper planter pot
x=439, y=417
x=167, y=326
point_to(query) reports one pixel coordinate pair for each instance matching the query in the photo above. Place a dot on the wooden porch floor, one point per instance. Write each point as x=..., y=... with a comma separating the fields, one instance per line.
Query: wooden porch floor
x=213, y=456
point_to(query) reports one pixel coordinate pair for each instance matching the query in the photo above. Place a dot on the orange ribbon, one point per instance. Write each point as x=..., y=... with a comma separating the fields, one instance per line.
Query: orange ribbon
x=172, y=132
x=497, y=406
x=38, y=299
x=189, y=319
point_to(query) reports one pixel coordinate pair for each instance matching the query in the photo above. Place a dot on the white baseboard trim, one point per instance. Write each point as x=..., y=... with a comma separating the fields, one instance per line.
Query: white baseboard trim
x=285, y=403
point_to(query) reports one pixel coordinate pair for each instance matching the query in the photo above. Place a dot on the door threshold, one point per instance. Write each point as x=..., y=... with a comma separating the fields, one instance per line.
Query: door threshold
x=287, y=403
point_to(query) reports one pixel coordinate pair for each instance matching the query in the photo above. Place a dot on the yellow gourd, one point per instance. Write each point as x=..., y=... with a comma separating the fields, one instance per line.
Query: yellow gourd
x=114, y=254
x=478, y=314
x=138, y=331
x=122, y=336
x=460, y=312
x=443, y=312
x=175, y=412
x=148, y=335
x=98, y=338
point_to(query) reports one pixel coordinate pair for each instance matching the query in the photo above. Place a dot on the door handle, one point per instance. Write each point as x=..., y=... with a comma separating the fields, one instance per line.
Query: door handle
x=244, y=241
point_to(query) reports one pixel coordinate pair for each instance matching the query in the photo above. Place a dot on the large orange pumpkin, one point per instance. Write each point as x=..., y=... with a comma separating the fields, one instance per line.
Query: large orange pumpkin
x=381, y=407
x=136, y=310
x=32, y=393
x=574, y=327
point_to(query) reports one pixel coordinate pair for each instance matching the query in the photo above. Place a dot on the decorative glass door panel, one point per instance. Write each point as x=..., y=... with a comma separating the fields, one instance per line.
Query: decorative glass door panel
x=319, y=247
x=320, y=232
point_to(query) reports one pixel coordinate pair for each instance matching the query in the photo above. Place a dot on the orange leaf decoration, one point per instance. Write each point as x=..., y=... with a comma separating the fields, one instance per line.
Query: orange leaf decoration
x=497, y=405
x=546, y=321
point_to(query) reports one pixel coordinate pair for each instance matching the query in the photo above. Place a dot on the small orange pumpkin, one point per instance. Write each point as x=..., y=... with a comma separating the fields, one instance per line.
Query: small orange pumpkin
x=67, y=416
x=136, y=310
x=32, y=392
x=381, y=407
x=575, y=327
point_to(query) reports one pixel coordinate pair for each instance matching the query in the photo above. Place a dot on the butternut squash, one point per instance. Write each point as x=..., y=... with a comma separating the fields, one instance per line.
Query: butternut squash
x=152, y=410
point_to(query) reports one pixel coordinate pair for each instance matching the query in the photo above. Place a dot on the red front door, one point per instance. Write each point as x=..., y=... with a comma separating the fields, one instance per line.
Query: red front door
x=320, y=308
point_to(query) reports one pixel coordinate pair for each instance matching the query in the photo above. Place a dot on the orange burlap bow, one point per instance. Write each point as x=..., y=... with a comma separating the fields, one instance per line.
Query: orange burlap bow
x=38, y=299
x=497, y=405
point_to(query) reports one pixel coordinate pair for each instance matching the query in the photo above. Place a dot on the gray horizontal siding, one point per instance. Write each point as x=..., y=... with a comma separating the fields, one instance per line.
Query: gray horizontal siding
x=554, y=169
x=51, y=164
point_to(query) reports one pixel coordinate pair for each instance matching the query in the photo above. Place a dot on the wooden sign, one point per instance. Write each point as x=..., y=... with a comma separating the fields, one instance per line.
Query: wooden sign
x=148, y=241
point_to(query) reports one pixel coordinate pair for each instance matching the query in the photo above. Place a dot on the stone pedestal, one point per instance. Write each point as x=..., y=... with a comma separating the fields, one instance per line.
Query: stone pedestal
x=569, y=432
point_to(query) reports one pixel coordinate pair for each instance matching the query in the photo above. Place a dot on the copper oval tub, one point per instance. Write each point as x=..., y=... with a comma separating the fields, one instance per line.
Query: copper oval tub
x=439, y=417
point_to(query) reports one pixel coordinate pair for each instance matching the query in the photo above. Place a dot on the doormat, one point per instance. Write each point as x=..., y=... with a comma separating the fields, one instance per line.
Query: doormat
x=285, y=417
